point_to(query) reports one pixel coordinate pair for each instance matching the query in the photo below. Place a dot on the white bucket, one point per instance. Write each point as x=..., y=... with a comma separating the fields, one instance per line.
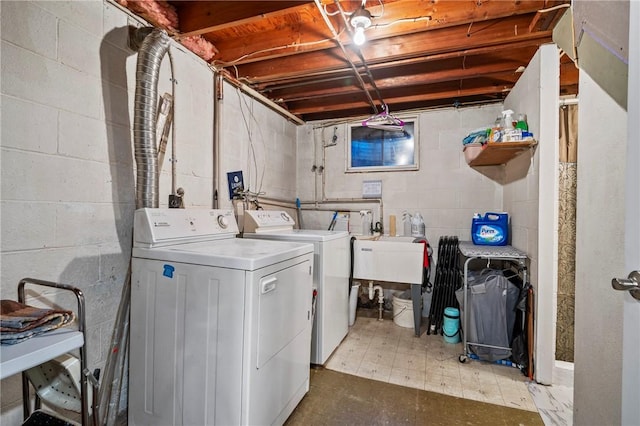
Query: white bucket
x=403, y=310
x=353, y=302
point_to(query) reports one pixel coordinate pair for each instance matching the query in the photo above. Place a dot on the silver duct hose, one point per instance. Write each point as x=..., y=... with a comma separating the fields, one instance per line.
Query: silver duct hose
x=152, y=49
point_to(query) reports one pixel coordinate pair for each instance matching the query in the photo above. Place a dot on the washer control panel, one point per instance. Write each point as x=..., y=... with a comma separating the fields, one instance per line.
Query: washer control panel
x=267, y=220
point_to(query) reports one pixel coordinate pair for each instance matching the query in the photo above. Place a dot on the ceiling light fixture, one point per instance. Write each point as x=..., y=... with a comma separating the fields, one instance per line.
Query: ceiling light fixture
x=360, y=20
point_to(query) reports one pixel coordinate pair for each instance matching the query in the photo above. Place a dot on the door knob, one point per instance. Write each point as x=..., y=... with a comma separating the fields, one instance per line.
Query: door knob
x=630, y=284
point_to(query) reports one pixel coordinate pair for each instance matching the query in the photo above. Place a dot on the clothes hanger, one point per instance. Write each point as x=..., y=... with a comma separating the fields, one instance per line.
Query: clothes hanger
x=384, y=121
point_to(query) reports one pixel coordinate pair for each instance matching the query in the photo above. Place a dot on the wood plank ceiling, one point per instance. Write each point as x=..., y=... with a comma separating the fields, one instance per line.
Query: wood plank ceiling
x=418, y=53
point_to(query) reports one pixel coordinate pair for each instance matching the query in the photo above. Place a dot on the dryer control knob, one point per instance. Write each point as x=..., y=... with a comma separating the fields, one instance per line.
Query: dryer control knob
x=223, y=222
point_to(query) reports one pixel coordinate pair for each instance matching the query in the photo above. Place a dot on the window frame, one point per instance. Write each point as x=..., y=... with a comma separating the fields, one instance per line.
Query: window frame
x=349, y=168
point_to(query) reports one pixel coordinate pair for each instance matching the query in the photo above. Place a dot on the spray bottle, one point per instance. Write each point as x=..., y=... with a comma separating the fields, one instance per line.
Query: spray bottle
x=510, y=133
x=507, y=119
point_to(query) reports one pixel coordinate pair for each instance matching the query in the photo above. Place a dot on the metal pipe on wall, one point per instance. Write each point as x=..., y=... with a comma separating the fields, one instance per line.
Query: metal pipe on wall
x=277, y=202
x=261, y=98
x=217, y=96
x=324, y=166
x=174, y=156
x=330, y=201
x=315, y=204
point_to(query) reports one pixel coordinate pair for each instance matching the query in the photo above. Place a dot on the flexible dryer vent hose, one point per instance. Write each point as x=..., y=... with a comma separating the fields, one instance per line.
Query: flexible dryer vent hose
x=152, y=49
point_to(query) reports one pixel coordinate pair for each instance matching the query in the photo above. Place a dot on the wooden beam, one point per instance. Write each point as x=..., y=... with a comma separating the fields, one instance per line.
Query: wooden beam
x=310, y=77
x=349, y=103
x=407, y=82
x=201, y=17
x=448, y=42
x=396, y=20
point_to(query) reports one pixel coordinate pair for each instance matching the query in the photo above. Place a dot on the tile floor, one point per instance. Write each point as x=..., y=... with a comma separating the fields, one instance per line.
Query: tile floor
x=384, y=351
x=555, y=403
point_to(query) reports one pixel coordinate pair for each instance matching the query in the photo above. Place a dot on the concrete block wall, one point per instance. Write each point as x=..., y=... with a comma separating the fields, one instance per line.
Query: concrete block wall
x=67, y=169
x=68, y=175
x=67, y=165
x=534, y=197
x=446, y=191
x=260, y=143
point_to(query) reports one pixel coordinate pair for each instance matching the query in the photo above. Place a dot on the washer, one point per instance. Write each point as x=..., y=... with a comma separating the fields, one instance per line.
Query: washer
x=220, y=326
x=331, y=277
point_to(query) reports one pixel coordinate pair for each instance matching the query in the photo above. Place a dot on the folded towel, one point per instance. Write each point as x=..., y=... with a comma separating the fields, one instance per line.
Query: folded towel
x=19, y=322
x=477, y=136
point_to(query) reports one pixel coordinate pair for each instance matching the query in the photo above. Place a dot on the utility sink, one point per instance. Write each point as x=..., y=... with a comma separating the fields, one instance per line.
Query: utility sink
x=386, y=238
x=393, y=259
x=385, y=258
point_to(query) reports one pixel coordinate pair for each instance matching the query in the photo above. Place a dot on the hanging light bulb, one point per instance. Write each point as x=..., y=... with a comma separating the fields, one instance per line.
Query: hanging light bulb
x=358, y=36
x=360, y=20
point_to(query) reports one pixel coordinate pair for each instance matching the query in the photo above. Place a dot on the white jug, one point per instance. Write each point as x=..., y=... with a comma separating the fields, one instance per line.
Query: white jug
x=417, y=226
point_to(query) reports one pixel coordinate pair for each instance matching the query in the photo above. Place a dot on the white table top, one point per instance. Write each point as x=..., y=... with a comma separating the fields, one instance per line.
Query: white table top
x=36, y=350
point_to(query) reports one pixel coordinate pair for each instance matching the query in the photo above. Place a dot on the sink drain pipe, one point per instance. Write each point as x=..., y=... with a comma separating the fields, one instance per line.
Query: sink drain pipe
x=372, y=292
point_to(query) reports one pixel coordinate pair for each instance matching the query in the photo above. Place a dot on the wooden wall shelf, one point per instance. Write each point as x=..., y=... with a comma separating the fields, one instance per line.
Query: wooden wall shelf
x=498, y=153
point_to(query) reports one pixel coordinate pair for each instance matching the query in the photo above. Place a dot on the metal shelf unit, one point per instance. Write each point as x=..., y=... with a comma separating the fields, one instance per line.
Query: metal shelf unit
x=20, y=357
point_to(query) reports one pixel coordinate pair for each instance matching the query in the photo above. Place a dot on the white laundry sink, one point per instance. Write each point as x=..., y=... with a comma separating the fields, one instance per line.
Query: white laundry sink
x=385, y=258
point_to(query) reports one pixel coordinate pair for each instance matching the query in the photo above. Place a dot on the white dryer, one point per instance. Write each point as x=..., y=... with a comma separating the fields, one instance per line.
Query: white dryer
x=220, y=326
x=331, y=277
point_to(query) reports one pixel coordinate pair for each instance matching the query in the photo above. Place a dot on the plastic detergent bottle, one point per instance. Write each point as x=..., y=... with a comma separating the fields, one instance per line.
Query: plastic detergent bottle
x=417, y=225
x=522, y=123
x=492, y=229
x=495, y=133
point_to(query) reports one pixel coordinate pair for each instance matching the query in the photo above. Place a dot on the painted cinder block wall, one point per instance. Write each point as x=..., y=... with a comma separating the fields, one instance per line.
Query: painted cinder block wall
x=531, y=195
x=67, y=168
x=260, y=143
x=68, y=175
x=445, y=190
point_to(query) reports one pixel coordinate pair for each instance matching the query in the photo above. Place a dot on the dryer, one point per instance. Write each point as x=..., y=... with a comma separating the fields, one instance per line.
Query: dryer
x=331, y=277
x=220, y=326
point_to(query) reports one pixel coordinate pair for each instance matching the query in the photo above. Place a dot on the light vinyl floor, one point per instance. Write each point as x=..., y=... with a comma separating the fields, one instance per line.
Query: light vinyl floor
x=384, y=351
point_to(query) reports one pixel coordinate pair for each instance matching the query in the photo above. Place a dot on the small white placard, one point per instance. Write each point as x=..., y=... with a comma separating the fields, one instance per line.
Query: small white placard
x=372, y=189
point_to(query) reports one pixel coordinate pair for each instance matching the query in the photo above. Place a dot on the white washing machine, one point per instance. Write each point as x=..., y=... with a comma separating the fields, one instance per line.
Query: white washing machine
x=331, y=277
x=220, y=326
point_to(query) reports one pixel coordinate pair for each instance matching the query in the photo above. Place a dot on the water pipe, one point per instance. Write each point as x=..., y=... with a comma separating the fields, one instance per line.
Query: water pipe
x=372, y=291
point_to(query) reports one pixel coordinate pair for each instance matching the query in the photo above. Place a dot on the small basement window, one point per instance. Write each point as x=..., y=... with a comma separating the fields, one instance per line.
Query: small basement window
x=375, y=150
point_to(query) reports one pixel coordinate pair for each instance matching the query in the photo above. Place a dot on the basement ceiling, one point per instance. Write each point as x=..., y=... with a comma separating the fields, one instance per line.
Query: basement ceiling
x=418, y=54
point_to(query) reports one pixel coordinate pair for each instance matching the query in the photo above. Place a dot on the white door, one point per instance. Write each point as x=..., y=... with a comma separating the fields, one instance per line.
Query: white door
x=607, y=326
x=631, y=325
